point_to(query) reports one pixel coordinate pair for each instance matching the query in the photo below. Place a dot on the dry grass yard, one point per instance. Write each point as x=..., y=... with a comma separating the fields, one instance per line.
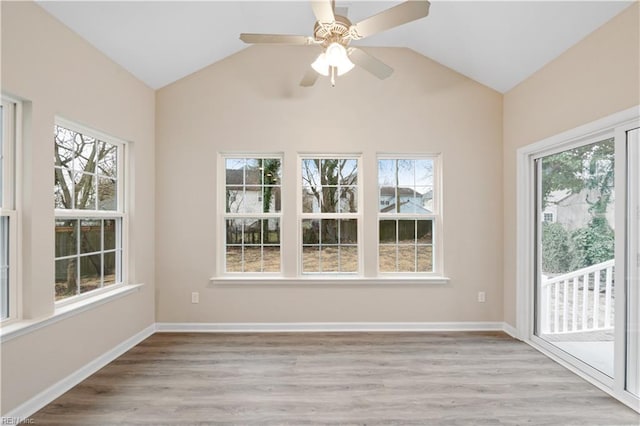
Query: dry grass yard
x=344, y=258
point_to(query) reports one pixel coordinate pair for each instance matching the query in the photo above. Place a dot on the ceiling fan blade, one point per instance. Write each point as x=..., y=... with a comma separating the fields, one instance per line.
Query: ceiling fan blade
x=397, y=15
x=369, y=63
x=323, y=9
x=309, y=78
x=275, y=39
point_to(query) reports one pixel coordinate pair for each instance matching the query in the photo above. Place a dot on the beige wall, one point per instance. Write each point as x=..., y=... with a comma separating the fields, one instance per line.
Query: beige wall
x=251, y=102
x=597, y=77
x=58, y=73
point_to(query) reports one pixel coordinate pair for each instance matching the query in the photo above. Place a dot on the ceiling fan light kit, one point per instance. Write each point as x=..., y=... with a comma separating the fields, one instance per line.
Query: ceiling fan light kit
x=334, y=33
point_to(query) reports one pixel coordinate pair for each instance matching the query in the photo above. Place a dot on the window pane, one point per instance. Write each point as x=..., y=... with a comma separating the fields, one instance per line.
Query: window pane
x=348, y=231
x=272, y=169
x=405, y=170
x=348, y=258
x=85, y=153
x=329, y=170
x=64, y=147
x=63, y=188
x=110, y=229
x=425, y=258
x=311, y=259
x=90, y=235
x=271, y=258
x=406, y=258
x=107, y=159
x=424, y=232
x=235, y=199
x=387, y=173
x=234, y=259
x=329, y=231
x=107, y=194
x=252, y=259
x=271, y=231
x=387, y=258
x=234, y=231
x=109, y=266
x=66, y=238
x=85, y=191
x=329, y=259
x=388, y=231
x=252, y=231
x=90, y=272
x=348, y=172
x=66, y=278
x=406, y=231
x=348, y=199
x=271, y=199
x=424, y=172
x=311, y=231
x=310, y=200
x=311, y=173
x=329, y=202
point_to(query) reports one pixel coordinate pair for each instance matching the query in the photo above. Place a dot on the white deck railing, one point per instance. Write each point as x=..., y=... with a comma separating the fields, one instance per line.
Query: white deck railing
x=573, y=302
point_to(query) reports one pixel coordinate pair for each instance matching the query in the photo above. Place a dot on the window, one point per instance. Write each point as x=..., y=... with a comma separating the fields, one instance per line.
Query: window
x=330, y=214
x=8, y=217
x=252, y=215
x=89, y=210
x=408, y=214
x=547, y=217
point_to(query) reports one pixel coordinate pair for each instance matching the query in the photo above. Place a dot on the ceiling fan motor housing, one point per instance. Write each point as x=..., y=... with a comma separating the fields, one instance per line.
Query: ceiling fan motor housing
x=333, y=32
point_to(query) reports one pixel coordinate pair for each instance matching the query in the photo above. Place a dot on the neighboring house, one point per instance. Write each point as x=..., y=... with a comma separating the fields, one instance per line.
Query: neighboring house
x=411, y=201
x=572, y=210
x=245, y=196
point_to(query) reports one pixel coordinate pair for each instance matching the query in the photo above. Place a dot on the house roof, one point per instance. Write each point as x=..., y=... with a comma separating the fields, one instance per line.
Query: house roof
x=390, y=191
x=406, y=207
x=236, y=177
x=498, y=44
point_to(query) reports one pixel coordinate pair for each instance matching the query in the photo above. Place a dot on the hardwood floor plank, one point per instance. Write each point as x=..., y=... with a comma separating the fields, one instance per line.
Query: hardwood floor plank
x=463, y=378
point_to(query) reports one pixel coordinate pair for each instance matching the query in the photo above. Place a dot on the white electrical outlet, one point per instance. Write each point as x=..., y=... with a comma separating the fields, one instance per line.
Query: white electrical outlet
x=195, y=297
x=482, y=297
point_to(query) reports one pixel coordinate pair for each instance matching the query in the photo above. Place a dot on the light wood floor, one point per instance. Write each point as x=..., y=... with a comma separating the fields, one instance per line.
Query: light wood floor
x=328, y=378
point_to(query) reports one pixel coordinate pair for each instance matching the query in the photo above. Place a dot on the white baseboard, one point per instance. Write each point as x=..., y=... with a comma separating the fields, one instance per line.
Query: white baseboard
x=34, y=404
x=281, y=327
x=510, y=330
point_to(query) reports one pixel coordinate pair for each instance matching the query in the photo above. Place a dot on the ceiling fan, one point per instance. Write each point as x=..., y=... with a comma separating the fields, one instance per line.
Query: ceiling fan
x=334, y=32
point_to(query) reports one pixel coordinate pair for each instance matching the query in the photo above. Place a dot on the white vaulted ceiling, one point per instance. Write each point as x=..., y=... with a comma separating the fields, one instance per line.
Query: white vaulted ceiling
x=498, y=44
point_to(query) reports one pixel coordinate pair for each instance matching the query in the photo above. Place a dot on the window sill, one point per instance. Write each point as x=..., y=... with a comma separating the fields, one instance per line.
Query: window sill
x=20, y=328
x=326, y=281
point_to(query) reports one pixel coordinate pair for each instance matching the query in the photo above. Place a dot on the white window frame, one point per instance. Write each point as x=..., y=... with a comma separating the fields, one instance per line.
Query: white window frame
x=300, y=215
x=223, y=215
x=436, y=216
x=120, y=213
x=11, y=200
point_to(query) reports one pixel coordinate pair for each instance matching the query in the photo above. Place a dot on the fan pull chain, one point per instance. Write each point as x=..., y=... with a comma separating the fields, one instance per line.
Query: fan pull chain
x=333, y=76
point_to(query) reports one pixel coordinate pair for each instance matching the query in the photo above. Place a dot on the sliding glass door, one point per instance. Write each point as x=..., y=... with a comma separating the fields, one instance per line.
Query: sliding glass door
x=576, y=233
x=579, y=251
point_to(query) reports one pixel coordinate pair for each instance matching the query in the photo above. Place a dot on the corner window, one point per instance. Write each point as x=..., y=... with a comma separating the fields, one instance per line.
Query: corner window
x=252, y=201
x=408, y=214
x=89, y=210
x=330, y=214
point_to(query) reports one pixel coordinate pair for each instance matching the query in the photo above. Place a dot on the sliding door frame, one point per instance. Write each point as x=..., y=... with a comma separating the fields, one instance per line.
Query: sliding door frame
x=527, y=257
